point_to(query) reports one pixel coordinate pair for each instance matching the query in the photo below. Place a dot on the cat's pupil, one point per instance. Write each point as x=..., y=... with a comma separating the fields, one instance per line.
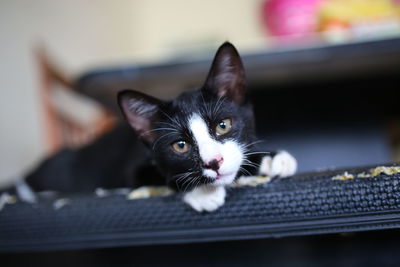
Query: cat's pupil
x=181, y=144
x=222, y=125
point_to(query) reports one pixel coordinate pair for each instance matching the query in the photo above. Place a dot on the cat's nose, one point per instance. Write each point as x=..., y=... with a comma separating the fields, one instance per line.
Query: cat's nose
x=215, y=163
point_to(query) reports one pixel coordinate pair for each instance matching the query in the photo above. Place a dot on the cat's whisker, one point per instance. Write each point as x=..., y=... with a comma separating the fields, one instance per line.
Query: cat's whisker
x=244, y=171
x=206, y=106
x=184, y=176
x=251, y=164
x=234, y=183
x=188, y=179
x=180, y=177
x=188, y=182
x=244, y=147
x=174, y=126
x=196, y=179
x=173, y=120
x=255, y=167
x=180, y=174
x=162, y=129
x=213, y=107
x=161, y=137
x=248, y=161
x=217, y=105
x=256, y=153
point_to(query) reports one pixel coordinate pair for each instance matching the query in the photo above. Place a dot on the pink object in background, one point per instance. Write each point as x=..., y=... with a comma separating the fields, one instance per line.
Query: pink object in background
x=290, y=18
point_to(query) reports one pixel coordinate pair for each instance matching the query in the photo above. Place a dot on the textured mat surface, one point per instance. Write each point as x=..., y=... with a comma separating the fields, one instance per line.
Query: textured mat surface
x=301, y=205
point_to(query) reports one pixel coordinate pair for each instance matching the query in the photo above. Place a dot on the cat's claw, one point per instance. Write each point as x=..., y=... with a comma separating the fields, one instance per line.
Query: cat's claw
x=281, y=165
x=206, y=198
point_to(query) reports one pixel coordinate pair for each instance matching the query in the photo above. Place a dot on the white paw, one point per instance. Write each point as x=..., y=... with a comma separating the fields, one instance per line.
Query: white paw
x=282, y=165
x=206, y=198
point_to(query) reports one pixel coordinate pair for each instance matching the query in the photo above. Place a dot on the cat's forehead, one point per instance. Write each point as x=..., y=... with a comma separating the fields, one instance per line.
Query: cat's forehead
x=188, y=98
x=187, y=103
x=196, y=102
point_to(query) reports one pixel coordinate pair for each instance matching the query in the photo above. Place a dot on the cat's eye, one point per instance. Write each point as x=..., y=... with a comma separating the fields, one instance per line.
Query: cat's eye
x=180, y=146
x=223, y=127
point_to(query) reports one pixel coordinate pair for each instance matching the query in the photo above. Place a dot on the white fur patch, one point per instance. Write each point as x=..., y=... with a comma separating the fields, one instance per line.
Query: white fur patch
x=210, y=149
x=206, y=198
x=282, y=165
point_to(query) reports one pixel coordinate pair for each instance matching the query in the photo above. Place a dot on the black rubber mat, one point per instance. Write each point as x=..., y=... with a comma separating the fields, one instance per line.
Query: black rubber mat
x=302, y=205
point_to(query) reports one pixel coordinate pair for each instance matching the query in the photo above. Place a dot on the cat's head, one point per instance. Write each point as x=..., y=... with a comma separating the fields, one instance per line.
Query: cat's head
x=202, y=136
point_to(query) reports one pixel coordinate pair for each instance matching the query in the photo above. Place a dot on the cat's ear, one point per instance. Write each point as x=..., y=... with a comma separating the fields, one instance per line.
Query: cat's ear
x=226, y=76
x=141, y=111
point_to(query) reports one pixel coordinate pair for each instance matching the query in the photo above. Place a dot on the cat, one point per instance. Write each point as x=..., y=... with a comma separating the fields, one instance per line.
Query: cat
x=198, y=143
x=204, y=139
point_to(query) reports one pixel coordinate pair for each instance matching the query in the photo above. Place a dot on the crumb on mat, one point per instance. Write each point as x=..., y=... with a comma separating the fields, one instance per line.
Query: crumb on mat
x=6, y=198
x=251, y=181
x=343, y=177
x=161, y=191
x=379, y=170
x=150, y=191
x=371, y=173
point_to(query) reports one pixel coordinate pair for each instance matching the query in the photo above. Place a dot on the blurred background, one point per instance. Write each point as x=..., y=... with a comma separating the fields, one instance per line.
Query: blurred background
x=323, y=73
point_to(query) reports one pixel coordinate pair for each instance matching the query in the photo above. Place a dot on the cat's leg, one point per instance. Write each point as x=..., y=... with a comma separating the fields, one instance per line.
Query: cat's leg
x=279, y=164
x=205, y=198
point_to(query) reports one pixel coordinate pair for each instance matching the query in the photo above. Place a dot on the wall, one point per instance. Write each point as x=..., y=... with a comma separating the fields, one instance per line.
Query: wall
x=78, y=32
x=81, y=34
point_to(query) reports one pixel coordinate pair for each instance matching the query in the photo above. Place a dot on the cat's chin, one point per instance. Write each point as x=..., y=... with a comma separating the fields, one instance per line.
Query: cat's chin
x=224, y=179
x=219, y=178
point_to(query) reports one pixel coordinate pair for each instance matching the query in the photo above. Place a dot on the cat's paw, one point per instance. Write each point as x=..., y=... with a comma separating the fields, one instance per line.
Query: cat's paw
x=282, y=165
x=206, y=198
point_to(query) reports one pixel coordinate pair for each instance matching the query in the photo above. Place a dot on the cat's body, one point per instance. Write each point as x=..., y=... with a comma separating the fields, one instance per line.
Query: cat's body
x=198, y=143
x=117, y=159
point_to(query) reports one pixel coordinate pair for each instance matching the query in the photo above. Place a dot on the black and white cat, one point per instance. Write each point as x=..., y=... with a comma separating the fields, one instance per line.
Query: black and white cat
x=198, y=143
x=204, y=139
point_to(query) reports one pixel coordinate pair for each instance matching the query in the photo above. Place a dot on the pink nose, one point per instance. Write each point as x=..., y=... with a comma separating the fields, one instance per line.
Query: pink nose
x=215, y=163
